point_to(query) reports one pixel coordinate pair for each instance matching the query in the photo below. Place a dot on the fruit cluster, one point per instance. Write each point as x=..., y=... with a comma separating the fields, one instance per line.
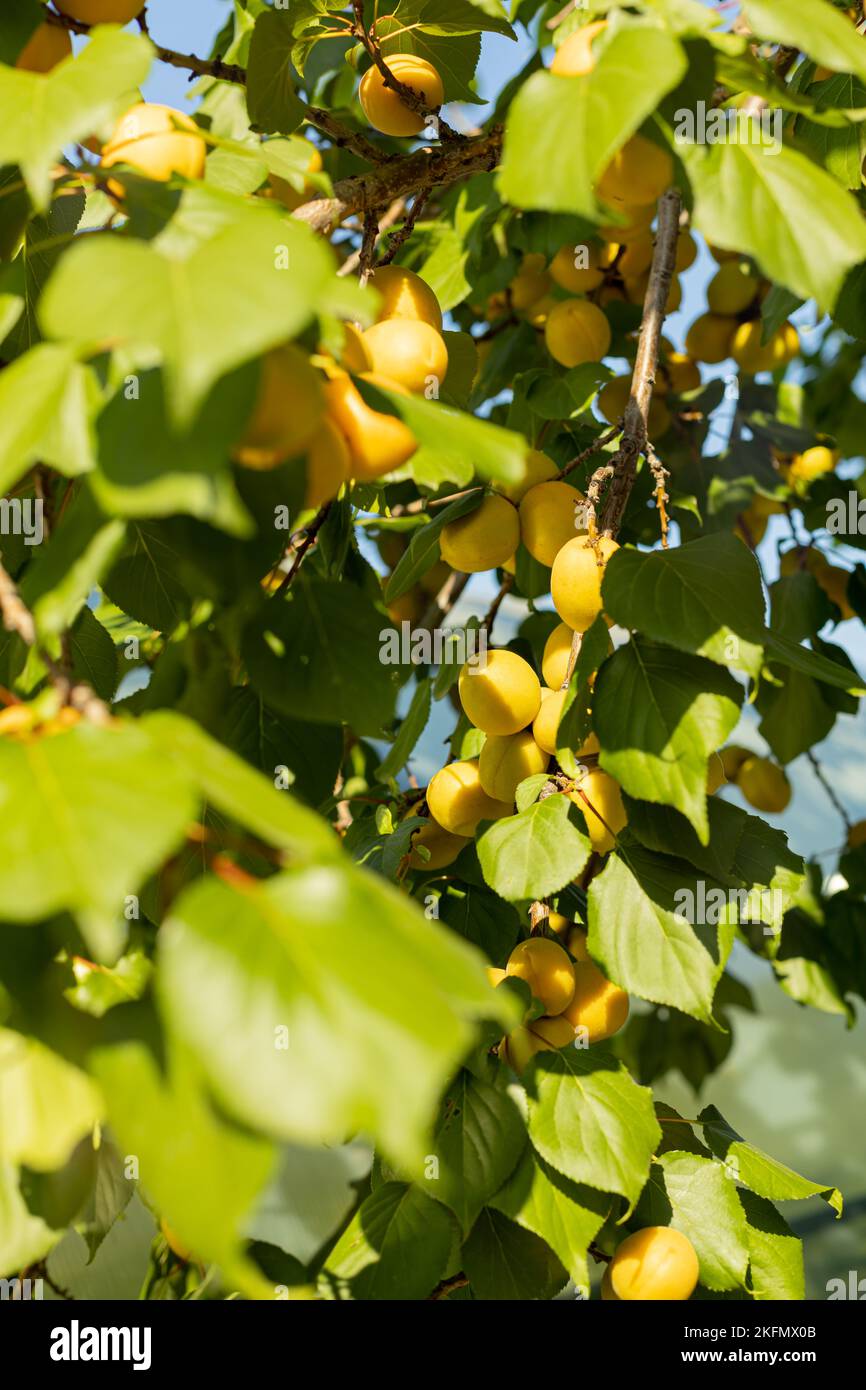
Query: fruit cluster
x=762, y=782
x=733, y=327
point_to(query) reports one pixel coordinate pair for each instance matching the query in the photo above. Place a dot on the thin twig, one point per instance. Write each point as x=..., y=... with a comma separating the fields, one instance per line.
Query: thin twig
x=405, y=231
x=368, y=246
x=505, y=588
x=593, y=448
x=837, y=804
x=311, y=533
x=393, y=214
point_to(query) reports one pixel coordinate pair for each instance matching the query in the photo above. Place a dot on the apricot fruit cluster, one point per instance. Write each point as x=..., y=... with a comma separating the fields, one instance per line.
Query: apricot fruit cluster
x=732, y=325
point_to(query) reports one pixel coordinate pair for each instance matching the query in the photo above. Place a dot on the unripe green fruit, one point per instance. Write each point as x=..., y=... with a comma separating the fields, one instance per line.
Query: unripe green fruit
x=550, y=515
x=545, y=967
x=657, y=1263
x=500, y=695
x=483, y=539
x=504, y=762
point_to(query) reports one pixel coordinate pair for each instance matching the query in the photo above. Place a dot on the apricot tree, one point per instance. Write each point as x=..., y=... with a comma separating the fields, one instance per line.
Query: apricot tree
x=330, y=355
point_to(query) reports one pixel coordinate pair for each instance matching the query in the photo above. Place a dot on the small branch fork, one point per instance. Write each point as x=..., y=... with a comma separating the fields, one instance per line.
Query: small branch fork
x=17, y=618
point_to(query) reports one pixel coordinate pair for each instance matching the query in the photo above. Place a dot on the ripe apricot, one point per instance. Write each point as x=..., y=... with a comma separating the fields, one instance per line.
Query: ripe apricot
x=442, y=847
x=556, y=656
x=158, y=142
x=614, y=396
x=288, y=411
x=383, y=107
x=539, y=469
x=639, y=173
x=575, y=581
x=355, y=356
x=574, y=57
x=813, y=463
x=687, y=251
x=458, y=802
x=494, y=975
x=636, y=223
x=764, y=785
x=408, y=608
x=636, y=288
x=329, y=464
x=408, y=351
x=545, y=967
x=605, y=814
x=657, y=1263
x=530, y=283
x=716, y=775
x=710, y=338
x=679, y=373
x=597, y=1006
x=483, y=539
x=288, y=195
x=405, y=296
x=542, y=1035
x=732, y=289
x=753, y=355
x=506, y=760
x=569, y=272
x=500, y=695
x=576, y=944
x=550, y=515
x=46, y=47
x=577, y=331
x=732, y=758
x=378, y=443
x=546, y=724
x=100, y=11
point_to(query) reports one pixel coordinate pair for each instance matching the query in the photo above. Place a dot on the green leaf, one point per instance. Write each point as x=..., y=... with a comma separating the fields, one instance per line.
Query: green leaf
x=256, y=282
x=65, y=572
x=309, y=1197
x=410, y=731
x=478, y=1139
x=422, y=551
x=564, y=1214
x=272, y=102
x=316, y=655
x=99, y=988
x=34, y=395
x=506, y=1262
x=311, y=753
x=814, y=27
x=395, y=1248
x=590, y=1121
x=775, y=1254
x=482, y=918
x=534, y=853
x=659, y=714
x=46, y=1104
x=312, y=1044
x=704, y=1206
x=40, y=114
x=58, y=848
x=642, y=940
x=24, y=1238
x=765, y=1176
x=795, y=716
x=454, y=53
x=202, y=1174
x=783, y=203
x=562, y=133
x=112, y=1193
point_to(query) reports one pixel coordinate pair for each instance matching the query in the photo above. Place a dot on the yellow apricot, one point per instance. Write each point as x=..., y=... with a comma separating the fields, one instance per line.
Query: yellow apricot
x=687, y=251
x=558, y=923
x=542, y=1035
x=556, y=656
x=17, y=719
x=577, y=331
x=483, y=539
x=458, y=802
x=813, y=463
x=731, y=290
x=639, y=173
x=710, y=338
x=405, y=296
x=753, y=356
x=442, y=846
x=100, y=11
x=575, y=581
x=574, y=57
x=657, y=1263
x=378, y=443
x=500, y=693
x=637, y=256
x=716, y=775
x=555, y=1032
x=545, y=967
x=576, y=944
x=602, y=809
x=288, y=195
x=539, y=469
x=538, y=313
x=408, y=351
x=732, y=758
x=383, y=107
x=329, y=464
x=764, y=785
x=506, y=760
x=636, y=288
x=531, y=282
x=156, y=141
x=546, y=724
x=288, y=411
x=598, y=1007
x=569, y=272
x=494, y=975
x=355, y=356
x=614, y=396
x=550, y=515
x=637, y=222
x=679, y=373
x=47, y=47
